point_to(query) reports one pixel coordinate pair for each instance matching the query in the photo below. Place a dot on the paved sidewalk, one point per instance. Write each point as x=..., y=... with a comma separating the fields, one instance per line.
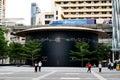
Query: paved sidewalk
x=56, y=73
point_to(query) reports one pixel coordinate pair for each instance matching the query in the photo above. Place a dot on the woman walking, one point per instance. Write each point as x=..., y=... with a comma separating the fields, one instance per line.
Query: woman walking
x=89, y=67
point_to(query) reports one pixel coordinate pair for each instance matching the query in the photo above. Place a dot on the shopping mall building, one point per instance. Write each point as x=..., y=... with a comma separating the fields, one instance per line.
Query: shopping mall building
x=58, y=41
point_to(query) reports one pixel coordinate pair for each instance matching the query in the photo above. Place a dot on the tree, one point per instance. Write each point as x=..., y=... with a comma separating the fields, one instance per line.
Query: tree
x=82, y=51
x=16, y=52
x=103, y=51
x=3, y=45
x=32, y=50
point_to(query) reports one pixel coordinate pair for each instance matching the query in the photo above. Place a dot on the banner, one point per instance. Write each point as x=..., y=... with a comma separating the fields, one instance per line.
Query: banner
x=82, y=21
x=91, y=21
x=103, y=21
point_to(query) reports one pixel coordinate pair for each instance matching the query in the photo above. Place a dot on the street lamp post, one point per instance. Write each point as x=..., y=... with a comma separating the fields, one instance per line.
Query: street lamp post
x=82, y=60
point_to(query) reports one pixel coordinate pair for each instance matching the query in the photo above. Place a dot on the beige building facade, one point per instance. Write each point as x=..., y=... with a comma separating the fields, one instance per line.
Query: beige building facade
x=82, y=9
x=76, y=9
x=44, y=18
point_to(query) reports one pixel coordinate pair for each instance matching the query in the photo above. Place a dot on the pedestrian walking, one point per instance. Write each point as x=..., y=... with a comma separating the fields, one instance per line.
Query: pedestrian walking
x=89, y=67
x=112, y=66
x=100, y=66
x=115, y=64
x=109, y=65
x=94, y=65
x=36, y=66
x=39, y=66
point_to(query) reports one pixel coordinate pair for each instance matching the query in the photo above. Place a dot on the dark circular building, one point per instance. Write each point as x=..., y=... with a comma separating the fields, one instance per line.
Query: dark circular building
x=57, y=41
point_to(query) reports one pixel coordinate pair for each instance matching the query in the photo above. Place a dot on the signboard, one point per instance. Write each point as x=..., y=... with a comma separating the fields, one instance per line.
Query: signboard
x=90, y=21
x=82, y=21
x=103, y=21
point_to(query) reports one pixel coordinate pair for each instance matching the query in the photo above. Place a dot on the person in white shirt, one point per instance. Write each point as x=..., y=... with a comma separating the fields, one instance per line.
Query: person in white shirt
x=36, y=65
x=112, y=65
x=100, y=66
x=40, y=65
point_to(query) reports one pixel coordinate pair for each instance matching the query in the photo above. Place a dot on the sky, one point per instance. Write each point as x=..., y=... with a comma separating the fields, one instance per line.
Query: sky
x=22, y=8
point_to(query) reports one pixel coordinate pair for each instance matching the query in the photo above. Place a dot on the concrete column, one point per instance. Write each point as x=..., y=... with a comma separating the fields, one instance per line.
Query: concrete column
x=113, y=57
x=119, y=55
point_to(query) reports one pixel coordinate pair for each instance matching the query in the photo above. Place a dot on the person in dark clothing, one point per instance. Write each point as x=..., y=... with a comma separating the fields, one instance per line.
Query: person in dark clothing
x=35, y=65
x=115, y=64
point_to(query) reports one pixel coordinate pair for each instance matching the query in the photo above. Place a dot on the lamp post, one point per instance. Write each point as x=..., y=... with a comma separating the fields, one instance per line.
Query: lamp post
x=82, y=60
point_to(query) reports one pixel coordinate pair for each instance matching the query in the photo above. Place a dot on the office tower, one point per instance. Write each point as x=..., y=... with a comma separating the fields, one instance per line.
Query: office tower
x=2, y=11
x=116, y=27
x=34, y=10
x=82, y=9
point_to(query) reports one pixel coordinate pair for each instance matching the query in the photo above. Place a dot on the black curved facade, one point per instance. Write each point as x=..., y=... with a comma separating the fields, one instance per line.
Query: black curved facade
x=56, y=45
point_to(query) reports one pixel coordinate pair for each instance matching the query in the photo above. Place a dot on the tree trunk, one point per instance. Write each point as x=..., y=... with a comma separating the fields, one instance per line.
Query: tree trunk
x=2, y=61
x=32, y=61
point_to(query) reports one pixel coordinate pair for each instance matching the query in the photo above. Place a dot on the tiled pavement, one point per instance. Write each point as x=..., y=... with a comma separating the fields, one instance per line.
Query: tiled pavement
x=56, y=73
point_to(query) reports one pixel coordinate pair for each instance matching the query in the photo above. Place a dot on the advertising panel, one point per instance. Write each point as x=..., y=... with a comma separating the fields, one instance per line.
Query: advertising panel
x=80, y=21
x=90, y=21
x=103, y=21
x=56, y=22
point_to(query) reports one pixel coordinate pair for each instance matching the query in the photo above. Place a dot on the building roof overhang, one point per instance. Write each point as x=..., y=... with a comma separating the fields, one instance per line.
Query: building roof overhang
x=23, y=33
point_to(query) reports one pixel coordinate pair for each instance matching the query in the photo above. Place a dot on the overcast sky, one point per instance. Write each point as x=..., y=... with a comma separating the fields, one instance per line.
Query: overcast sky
x=21, y=8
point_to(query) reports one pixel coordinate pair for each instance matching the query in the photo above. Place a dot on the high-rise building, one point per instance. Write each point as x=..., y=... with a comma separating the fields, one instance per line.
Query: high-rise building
x=116, y=27
x=82, y=9
x=34, y=10
x=2, y=11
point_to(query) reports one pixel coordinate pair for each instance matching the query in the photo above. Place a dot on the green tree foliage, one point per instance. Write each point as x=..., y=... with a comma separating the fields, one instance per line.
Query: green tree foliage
x=103, y=51
x=84, y=54
x=16, y=52
x=3, y=46
x=82, y=51
x=32, y=49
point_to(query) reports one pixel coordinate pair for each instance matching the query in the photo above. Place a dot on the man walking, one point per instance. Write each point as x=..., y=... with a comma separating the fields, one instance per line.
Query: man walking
x=35, y=65
x=100, y=66
x=40, y=65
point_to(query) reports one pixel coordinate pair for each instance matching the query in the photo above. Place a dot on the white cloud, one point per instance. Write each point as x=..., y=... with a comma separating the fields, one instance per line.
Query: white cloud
x=21, y=8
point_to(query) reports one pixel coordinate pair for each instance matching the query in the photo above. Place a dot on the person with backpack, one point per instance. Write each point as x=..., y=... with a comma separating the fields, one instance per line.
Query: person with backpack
x=89, y=67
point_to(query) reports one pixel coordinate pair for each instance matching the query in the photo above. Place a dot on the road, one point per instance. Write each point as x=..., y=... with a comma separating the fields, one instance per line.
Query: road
x=56, y=73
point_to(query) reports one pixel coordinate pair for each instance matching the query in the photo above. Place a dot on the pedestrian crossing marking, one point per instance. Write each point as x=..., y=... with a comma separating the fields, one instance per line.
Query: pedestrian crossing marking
x=7, y=73
x=72, y=73
x=71, y=78
x=98, y=76
x=41, y=77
